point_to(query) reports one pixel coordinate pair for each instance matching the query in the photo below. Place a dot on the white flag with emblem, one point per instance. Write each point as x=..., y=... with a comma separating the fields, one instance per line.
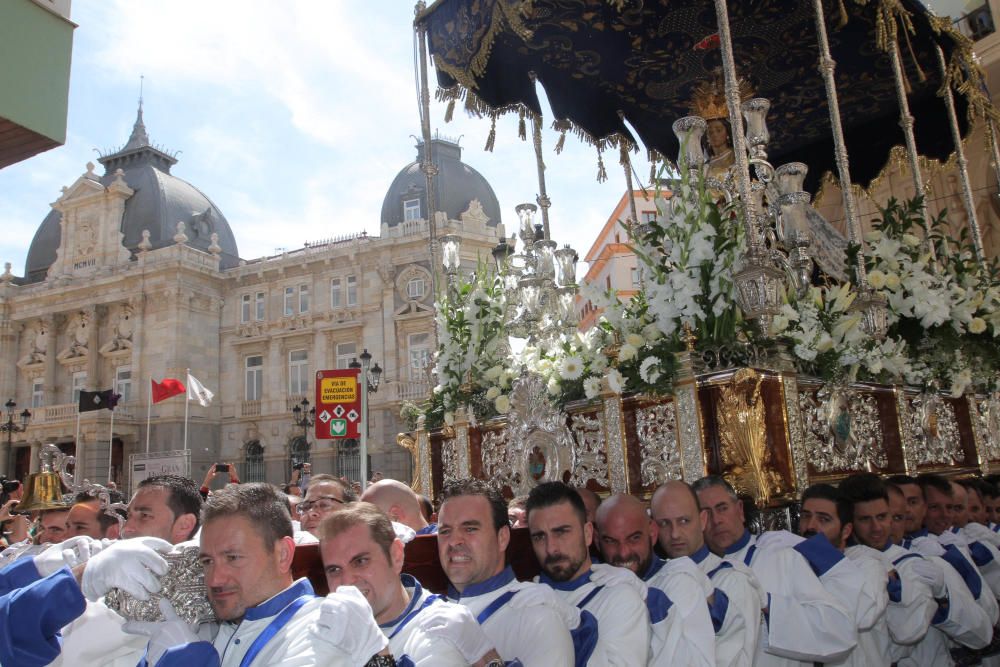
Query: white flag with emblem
x=197, y=392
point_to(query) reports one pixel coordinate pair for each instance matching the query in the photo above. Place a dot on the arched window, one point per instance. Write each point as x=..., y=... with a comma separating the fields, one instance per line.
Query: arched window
x=253, y=462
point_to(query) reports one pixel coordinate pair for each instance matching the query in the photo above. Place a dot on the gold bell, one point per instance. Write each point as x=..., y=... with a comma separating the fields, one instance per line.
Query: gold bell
x=43, y=490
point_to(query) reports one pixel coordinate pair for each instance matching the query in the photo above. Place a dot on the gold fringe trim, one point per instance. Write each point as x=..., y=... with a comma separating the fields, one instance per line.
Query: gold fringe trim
x=449, y=113
x=602, y=173
x=522, y=130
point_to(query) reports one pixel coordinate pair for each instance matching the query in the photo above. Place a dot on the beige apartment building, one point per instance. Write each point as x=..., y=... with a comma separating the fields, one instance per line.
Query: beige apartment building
x=135, y=274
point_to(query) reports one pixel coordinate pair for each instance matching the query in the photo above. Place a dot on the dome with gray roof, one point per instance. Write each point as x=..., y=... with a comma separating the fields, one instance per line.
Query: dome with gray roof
x=161, y=200
x=456, y=185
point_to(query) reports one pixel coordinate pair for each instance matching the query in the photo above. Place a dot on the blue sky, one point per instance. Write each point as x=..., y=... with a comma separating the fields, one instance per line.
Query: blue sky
x=293, y=117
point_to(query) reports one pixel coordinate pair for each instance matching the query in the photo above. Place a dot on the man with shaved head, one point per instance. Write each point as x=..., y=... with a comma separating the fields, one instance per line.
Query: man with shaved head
x=400, y=503
x=804, y=623
x=680, y=531
x=682, y=631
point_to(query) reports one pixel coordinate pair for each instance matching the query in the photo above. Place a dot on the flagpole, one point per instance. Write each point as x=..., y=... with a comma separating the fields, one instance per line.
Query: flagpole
x=78, y=458
x=187, y=401
x=111, y=441
x=149, y=410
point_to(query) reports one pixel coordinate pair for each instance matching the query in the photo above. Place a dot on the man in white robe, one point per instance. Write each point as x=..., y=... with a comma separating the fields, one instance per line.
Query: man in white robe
x=681, y=624
x=864, y=582
x=525, y=621
x=561, y=537
x=804, y=623
x=736, y=616
x=360, y=548
x=266, y=618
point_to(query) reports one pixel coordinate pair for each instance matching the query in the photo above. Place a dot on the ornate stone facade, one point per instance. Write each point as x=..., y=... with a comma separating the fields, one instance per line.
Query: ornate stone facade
x=106, y=304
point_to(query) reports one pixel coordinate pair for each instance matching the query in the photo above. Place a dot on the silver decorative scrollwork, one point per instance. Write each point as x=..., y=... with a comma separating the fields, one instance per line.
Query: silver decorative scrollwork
x=539, y=444
x=449, y=460
x=590, y=459
x=842, y=430
x=796, y=428
x=499, y=469
x=183, y=585
x=987, y=416
x=615, y=428
x=689, y=432
x=933, y=429
x=656, y=427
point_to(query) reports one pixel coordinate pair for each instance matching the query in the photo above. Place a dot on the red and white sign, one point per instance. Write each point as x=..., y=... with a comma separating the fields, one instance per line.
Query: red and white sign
x=338, y=404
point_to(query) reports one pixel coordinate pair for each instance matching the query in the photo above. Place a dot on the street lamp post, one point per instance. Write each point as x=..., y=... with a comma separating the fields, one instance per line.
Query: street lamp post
x=10, y=427
x=304, y=417
x=370, y=376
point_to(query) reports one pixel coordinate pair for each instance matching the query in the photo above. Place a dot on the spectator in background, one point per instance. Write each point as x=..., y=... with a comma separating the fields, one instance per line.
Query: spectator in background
x=302, y=476
x=516, y=512
x=400, y=503
x=87, y=517
x=427, y=508
x=326, y=495
x=214, y=471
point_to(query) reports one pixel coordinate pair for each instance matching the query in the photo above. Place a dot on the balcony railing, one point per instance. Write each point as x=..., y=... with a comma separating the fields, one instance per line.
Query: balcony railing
x=53, y=414
x=250, y=409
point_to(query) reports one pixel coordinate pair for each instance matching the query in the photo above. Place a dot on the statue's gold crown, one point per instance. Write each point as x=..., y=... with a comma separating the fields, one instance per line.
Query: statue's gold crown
x=709, y=98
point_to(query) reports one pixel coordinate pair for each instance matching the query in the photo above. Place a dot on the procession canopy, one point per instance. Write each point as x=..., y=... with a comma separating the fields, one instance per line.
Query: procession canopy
x=610, y=66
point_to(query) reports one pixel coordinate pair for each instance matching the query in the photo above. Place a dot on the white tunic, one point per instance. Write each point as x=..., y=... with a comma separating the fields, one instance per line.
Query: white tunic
x=804, y=623
x=861, y=579
x=621, y=618
x=960, y=562
x=684, y=635
x=408, y=639
x=736, y=639
x=535, y=635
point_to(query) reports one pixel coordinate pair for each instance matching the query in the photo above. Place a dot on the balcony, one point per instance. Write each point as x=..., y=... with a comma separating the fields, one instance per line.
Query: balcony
x=54, y=414
x=250, y=409
x=405, y=391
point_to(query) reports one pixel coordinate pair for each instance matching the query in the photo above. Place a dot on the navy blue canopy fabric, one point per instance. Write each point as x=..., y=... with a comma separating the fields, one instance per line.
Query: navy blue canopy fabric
x=601, y=61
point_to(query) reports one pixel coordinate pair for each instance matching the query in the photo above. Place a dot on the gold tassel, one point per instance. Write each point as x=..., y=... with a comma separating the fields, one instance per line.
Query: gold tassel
x=623, y=155
x=491, y=139
x=522, y=130
x=562, y=126
x=602, y=173
x=450, y=111
x=843, y=16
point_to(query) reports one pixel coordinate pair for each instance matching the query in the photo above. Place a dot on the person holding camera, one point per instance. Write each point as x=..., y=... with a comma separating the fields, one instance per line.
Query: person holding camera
x=301, y=474
x=216, y=470
x=15, y=526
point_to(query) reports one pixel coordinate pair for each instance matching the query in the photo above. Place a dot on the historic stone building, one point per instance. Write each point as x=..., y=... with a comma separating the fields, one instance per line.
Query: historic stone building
x=135, y=274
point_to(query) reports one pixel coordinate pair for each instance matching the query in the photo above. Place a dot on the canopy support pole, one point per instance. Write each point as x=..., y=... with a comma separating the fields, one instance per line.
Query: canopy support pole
x=753, y=227
x=826, y=67
x=963, y=171
x=634, y=221
x=906, y=122
x=427, y=166
x=543, y=198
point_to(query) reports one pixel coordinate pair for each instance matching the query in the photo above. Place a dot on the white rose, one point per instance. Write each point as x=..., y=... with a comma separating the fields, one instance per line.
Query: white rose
x=502, y=404
x=977, y=325
x=492, y=393
x=911, y=240
x=876, y=279
x=873, y=236
x=615, y=380
x=635, y=340
x=493, y=373
x=651, y=332
x=892, y=281
x=552, y=386
x=449, y=418
x=627, y=352
x=778, y=324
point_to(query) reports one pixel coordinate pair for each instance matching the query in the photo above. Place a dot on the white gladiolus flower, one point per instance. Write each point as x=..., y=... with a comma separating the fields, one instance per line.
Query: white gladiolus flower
x=627, y=352
x=615, y=381
x=492, y=393
x=592, y=387
x=571, y=368
x=649, y=370
x=502, y=404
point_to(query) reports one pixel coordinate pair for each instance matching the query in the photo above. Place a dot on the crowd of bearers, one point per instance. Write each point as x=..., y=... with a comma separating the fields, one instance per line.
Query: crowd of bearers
x=902, y=571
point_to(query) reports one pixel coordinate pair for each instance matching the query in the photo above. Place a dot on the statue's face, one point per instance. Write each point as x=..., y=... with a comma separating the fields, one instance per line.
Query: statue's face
x=718, y=134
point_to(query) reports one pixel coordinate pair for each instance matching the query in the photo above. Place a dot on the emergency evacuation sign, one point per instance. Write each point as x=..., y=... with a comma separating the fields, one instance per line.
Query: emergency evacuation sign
x=338, y=404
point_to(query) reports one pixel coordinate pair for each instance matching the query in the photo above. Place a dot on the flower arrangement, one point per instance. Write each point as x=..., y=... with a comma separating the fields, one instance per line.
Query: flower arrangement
x=946, y=309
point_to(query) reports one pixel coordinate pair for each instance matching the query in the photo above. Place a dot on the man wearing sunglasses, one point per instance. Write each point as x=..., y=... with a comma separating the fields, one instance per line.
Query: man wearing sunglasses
x=326, y=495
